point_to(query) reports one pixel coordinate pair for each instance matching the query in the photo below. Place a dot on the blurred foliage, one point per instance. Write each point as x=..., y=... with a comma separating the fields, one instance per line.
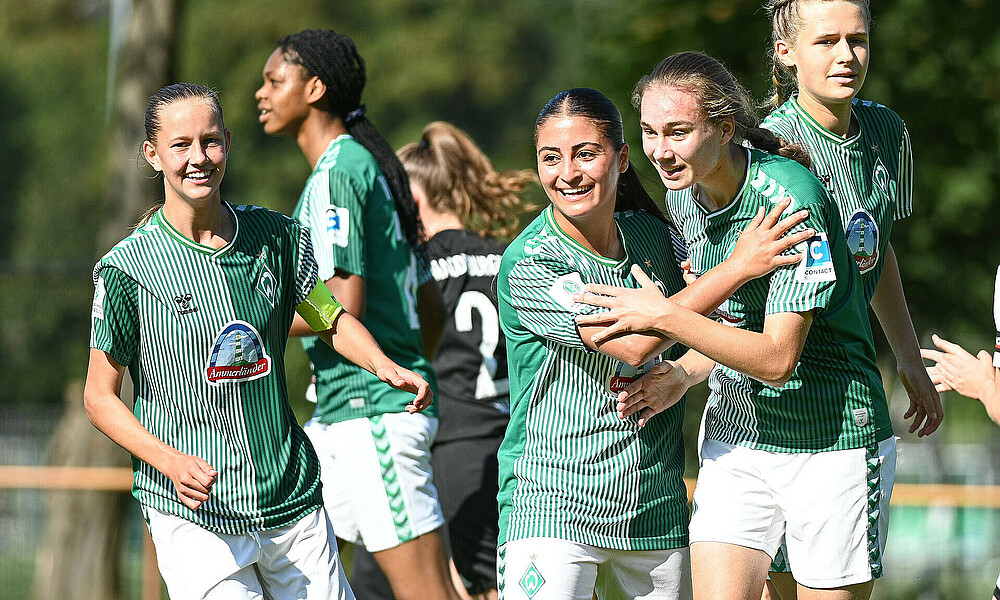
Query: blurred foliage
x=488, y=67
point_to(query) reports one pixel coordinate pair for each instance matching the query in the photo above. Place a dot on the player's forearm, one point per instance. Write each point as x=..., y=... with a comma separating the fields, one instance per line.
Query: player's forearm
x=697, y=367
x=770, y=357
x=352, y=340
x=707, y=292
x=889, y=305
x=112, y=418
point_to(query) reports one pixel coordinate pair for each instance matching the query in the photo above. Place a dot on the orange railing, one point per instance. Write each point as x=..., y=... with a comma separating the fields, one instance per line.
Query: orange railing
x=120, y=479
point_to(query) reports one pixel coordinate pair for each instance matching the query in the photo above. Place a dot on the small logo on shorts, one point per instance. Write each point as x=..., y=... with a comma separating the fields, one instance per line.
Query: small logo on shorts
x=532, y=581
x=860, y=417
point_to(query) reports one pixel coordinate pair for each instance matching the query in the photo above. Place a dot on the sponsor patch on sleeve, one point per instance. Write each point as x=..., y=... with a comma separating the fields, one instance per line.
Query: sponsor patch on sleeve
x=564, y=287
x=97, y=312
x=338, y=226
x=817, y=265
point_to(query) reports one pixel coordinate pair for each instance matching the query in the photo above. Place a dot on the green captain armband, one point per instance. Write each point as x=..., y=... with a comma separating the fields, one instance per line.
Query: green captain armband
x=320, y=309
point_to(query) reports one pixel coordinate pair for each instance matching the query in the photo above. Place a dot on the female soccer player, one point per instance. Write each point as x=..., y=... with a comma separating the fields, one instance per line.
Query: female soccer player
x=589, y=502
x=463, y=202
x=860, y=150
x=365, y=229
x=197, y=303
x=797, y=438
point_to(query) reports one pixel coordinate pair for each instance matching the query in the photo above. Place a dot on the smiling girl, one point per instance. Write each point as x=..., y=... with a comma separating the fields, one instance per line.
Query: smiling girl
x=797, y=439
x=591, y=502
x=197, y=303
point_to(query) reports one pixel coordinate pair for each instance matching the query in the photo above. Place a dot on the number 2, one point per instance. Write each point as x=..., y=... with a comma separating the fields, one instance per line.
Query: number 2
x=486, y=386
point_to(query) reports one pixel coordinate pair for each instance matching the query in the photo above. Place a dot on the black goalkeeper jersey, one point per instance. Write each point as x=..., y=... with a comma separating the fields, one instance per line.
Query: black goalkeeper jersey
x=471, y=364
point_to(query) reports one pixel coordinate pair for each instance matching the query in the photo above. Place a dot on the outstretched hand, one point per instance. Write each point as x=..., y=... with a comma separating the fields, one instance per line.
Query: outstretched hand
x=407, y=381
x=760, y=248
x=628, y=309
x=654, y=392
x=955, y=369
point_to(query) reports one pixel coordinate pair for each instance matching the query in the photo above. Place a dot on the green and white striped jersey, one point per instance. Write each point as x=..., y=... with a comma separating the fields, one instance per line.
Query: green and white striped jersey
x=570, y=468
x=350, y=213
x=869, y=175
x=202, y=332
x=835, y=398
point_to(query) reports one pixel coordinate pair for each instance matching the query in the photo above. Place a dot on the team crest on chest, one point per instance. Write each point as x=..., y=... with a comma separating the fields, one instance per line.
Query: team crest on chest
x=266, y=283
x=238, y=355
x=862, y=238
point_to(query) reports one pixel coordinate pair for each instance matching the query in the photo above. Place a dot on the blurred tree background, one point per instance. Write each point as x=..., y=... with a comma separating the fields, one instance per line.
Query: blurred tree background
x=486, y=66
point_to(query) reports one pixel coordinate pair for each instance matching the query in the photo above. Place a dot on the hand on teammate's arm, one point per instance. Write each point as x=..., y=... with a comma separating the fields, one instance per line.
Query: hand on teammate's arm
x=663, y=386
x=352, y=340
x=955, y=369
x=191, y=476
x=758, y=252
x=889, y=304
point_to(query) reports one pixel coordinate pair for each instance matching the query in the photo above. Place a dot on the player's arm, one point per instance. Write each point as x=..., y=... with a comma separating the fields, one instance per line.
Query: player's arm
x=889, y=304
x=431, y=312
x=191, y=476
x=759, y=250
x=327, y=318
x=348, y=289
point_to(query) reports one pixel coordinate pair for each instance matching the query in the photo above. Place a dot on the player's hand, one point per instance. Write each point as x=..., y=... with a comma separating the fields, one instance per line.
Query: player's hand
x=407, y=381
x=925, y=404
x=654, y=392
x=628, y=309
x=955, y=369
x=192, y=477
x=759, y=249
x=687, y=273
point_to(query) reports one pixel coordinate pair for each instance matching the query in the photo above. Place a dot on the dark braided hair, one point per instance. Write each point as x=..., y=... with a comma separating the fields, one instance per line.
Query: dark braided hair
x=333, y=58
x=602, y=112
x=720, y=96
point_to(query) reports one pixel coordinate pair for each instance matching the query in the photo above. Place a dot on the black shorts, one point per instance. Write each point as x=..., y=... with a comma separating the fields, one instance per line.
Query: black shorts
x=465, y=474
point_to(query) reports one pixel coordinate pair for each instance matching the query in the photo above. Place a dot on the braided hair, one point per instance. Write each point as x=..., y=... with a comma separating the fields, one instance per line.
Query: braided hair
x=786, y=25
x=720, y=96
x=602, y=112
x=333, y=58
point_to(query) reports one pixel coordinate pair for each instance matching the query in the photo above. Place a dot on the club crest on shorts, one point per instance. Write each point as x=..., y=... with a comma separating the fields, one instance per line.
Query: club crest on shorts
x=532, y=580
x=862, y=239
x=237, y=355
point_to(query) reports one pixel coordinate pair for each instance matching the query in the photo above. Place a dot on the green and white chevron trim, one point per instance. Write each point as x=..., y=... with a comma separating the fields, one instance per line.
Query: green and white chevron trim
x=501, y=564
x=874, y=502
x=390, y=480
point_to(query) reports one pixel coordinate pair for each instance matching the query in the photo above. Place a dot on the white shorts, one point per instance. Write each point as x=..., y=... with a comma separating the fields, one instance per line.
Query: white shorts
x=553, y=569
x=377, y=481
x=831, y=509
x=298, y=560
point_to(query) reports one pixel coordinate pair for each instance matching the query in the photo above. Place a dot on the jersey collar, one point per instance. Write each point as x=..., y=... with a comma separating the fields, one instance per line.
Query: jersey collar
x=823, y=131
x=736, y=199
x=566, y=239
x=193, y=245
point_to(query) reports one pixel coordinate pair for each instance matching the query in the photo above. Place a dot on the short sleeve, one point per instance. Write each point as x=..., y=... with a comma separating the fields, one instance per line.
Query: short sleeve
x=337, y=224
x=996, y=319
x=809, y=284
x=306, y=268
x=115, y=314
x=904, y=184
x=541, y=293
